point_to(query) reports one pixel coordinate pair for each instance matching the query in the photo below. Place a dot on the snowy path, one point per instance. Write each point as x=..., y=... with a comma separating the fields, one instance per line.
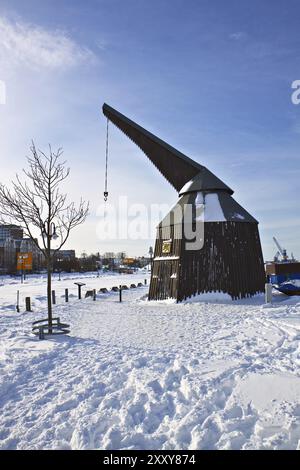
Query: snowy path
x=148, y=375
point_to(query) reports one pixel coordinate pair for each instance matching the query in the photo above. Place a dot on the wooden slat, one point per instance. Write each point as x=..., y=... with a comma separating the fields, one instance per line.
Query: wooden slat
x=230, y=261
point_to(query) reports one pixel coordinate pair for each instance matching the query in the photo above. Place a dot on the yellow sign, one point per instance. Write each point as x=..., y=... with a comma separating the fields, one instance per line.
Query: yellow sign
x=24, y=261
x=128, y=261
x=166, y=247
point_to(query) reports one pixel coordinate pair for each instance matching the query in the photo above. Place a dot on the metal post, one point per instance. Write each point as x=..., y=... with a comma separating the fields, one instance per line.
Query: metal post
x=66, y=295
x=94, y=294
x=268, y=293
x=120, y=293
x=145, y=282
x=41, y=333
x=53, y=297
x=79, y=292
x=18, y=300
x=28, y=304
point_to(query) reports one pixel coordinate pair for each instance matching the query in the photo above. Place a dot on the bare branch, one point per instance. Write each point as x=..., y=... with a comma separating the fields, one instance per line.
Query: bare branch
x=37, y=202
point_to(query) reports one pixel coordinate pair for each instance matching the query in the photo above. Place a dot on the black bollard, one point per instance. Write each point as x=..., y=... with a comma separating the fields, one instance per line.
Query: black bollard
x=67, y=295
x=120, y=293
x=18, y=301
x=145, y=282
x=53, y=297
x=41, y=332
x=28, y=304
x=94, y=294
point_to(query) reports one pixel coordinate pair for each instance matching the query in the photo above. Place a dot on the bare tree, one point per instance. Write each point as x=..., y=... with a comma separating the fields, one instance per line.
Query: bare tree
x=37, y=205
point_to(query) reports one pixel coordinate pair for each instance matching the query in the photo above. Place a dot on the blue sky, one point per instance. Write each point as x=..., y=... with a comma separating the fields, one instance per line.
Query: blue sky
x=212, y=78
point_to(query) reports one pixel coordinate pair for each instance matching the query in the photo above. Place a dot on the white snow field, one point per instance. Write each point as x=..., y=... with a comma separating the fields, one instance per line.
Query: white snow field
x=209, y=374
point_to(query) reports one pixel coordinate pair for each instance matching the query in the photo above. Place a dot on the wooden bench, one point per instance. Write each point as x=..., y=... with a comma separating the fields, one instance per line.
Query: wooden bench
x=42, y=327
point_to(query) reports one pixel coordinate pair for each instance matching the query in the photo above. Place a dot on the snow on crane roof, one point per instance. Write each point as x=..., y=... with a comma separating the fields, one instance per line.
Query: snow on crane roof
x=212, y=208
x=217, y=207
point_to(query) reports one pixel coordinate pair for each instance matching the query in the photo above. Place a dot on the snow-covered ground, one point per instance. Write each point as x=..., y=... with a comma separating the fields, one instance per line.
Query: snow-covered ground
x=210, y=374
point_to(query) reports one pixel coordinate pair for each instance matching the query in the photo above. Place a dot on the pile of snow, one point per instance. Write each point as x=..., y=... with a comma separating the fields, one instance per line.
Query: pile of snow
x=294, y=282
x=151, y=375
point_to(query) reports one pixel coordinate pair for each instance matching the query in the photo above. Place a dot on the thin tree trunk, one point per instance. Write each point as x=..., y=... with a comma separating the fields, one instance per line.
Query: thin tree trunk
x=49, y=299
x=49, y=279
x=49, y=235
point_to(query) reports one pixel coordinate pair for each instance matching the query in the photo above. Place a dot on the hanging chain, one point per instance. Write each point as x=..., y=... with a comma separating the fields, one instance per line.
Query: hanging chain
x=106, y=160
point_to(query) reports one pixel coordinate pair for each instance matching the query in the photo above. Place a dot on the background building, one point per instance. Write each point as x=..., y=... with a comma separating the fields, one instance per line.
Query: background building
x=28, y=246
x=65, y=260
x=9, y=236
x=11, y=231
x=7, y=255
x=12, y=242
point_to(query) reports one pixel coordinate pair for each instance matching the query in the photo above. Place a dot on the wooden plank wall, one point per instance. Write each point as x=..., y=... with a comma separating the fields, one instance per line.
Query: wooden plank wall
x=230, y=261
x=162, y=284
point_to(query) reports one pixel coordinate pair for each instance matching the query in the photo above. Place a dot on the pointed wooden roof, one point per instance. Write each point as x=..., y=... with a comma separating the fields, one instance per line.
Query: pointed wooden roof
x=183, y=173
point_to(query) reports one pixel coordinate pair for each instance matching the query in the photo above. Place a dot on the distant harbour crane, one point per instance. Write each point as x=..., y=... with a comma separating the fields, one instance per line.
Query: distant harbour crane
x=282, y=252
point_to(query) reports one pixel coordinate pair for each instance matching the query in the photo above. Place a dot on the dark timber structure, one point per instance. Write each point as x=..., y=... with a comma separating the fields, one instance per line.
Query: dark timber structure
x=230, y=259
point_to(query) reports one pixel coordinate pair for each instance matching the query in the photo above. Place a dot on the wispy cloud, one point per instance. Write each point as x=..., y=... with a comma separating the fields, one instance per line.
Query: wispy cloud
x=238, y=35
x=34, y=46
